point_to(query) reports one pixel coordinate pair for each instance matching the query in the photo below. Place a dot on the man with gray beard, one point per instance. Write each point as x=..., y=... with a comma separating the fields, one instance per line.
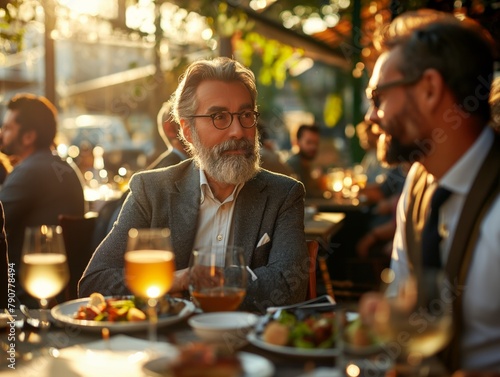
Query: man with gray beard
x=219, y=197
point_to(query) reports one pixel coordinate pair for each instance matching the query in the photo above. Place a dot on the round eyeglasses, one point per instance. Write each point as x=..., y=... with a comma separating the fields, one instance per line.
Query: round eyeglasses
x=223, y=119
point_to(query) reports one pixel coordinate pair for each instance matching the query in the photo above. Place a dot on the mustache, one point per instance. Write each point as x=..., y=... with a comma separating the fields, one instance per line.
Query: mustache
x=231, y=145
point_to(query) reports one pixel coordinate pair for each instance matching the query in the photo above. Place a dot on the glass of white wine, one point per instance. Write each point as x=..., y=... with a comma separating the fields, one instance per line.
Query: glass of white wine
x=150, y=268
x=417, y=321
x=218, y=278
x=44, y=269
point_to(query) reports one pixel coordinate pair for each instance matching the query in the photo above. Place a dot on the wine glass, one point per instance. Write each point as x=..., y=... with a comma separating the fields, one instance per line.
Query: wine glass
x=416, y=322
x=218, y=278
x=44, y=268
x=149, y=268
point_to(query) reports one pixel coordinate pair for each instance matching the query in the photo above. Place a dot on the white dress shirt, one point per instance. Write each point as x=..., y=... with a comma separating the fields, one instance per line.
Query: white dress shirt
x=481, y=297
x=215, y=221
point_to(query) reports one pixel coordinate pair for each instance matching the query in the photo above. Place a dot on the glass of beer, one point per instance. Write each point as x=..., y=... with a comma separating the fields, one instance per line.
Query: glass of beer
x=218, y=278
x=149, y=268
x=44, y=268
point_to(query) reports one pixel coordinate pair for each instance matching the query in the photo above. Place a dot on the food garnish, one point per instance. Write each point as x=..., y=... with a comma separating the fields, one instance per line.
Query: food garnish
x=359, y=334
x=123, y=309
x=316, y=330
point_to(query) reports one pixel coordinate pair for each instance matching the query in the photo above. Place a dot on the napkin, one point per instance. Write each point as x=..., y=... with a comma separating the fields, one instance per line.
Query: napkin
x=121, y=355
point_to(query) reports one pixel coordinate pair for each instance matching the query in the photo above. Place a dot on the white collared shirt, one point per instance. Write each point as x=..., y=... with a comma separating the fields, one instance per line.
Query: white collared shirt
x=481, y=300
x=215, y=221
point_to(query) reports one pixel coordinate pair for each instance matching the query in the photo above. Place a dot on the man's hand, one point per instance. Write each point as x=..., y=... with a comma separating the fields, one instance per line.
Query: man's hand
x=368, y=305
x=181, y=281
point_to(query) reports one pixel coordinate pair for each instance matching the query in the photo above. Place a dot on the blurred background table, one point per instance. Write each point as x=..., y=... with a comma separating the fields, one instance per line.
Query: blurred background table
x=323, y=225
x=337, y=204
x=97, y=196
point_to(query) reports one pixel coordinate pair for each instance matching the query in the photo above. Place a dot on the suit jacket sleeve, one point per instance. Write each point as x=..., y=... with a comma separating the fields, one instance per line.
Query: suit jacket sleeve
x=151, y=203
x=104, y=272
x=281, y=265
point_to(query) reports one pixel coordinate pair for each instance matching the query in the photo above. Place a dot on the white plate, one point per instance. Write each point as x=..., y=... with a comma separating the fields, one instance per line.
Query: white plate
x=292, y=351
x=65, y=313
x=253, y=366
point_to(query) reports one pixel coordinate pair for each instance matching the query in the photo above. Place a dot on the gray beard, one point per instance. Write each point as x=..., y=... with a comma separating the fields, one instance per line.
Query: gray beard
x=229, y=169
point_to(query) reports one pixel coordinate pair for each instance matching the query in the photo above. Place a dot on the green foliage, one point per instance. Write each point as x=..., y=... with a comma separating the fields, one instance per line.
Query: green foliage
x=11, y=25
x=273, y=58
x=333, y=110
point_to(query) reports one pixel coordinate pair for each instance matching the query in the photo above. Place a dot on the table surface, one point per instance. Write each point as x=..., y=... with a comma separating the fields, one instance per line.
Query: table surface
x=179, y=333
x=335, y=204
x=323, y=225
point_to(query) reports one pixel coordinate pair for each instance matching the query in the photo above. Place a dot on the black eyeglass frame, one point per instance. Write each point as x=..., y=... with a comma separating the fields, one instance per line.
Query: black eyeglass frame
x=373, y=94
x=214, y=115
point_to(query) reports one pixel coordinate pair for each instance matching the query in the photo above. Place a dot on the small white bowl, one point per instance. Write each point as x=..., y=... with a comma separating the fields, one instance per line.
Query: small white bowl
x=228, y=328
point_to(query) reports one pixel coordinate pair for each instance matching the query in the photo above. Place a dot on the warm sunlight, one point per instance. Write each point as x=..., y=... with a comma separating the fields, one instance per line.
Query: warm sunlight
x=107, y=9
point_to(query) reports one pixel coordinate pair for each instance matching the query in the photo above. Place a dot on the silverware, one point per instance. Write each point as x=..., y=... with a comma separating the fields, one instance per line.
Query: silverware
x=321, y=301
x=32, y=321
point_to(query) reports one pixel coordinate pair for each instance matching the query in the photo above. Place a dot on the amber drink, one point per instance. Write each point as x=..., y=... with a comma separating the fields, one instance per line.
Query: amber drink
x=149, y=273
x=149, y=268
x=218, y=278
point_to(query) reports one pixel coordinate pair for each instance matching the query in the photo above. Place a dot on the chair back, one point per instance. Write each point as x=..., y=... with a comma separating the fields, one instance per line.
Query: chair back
x=312, y=250
x=77, y=233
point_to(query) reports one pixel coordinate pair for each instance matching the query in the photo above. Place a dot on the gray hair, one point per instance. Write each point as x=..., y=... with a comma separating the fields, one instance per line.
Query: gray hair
x=184, y=102
x=461, y=51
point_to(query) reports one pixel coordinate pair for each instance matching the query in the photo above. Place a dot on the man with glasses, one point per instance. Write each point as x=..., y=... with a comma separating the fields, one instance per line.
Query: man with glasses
x=429, y=94
x=219, y=197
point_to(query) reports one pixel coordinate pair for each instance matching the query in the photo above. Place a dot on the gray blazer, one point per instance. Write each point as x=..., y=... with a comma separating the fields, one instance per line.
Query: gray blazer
x=170, y=197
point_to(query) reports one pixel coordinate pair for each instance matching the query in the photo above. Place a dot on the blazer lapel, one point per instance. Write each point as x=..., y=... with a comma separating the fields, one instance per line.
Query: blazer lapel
x=486, y=182
x=248, y=215
x=184, y=208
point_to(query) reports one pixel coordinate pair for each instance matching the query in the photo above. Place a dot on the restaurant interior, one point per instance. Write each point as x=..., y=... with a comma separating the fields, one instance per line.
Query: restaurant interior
x=108, y=66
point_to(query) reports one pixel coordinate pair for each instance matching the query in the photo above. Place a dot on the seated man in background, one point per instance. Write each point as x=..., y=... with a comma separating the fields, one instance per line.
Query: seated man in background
x=169, y=131
x=301, y=162
x=175, y=153
x=383, y=195
x=368, y=134
x=41, y=186
x=269, y=156
x=219, y=197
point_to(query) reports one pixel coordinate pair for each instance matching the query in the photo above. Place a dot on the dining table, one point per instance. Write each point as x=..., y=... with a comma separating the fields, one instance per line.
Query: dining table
x=67, y=350
x=126, y=351
x=97, y=196
x=338, y=204
x=322, y=226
